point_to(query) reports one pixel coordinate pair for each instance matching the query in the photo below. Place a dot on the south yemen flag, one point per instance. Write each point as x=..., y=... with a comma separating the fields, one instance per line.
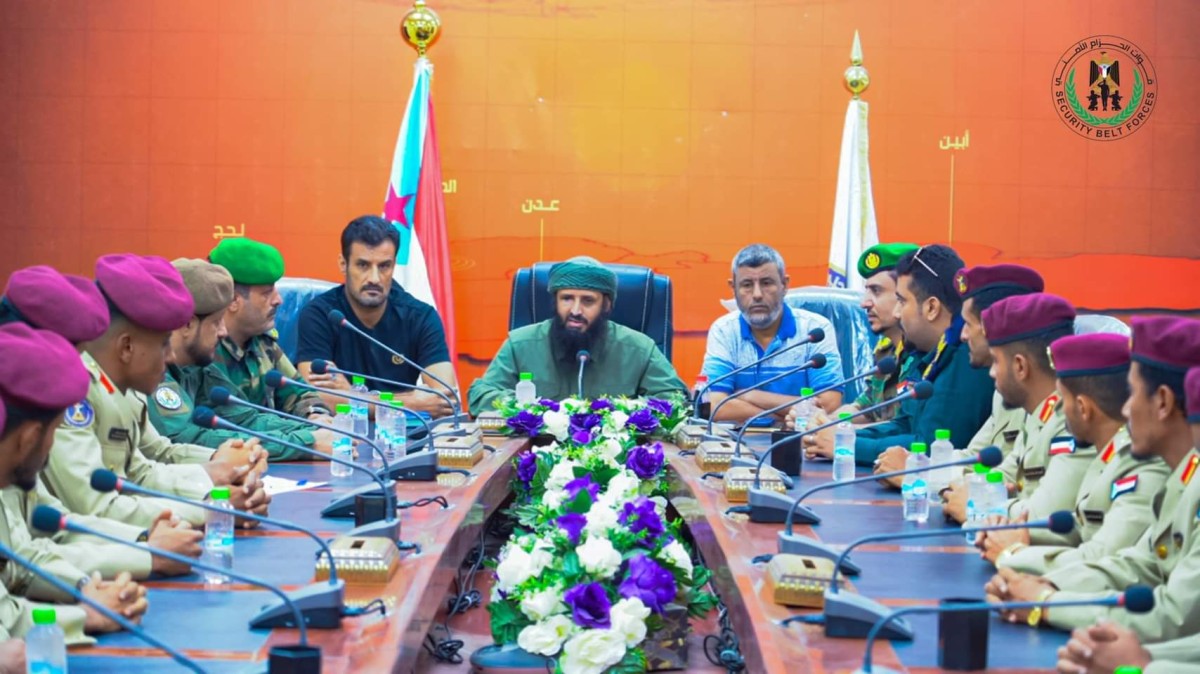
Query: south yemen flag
x=1123, y=486
x=1062, y=445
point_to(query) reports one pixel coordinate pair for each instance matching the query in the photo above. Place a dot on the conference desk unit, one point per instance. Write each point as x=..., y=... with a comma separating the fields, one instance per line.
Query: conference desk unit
x=211, y=626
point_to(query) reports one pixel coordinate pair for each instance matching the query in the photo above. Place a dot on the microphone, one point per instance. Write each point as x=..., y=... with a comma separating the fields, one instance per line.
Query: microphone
x=849, y=615
x=817, y=361
x=1135, y=599
x=583, y=357
x=815, y=336
x=322, y=366
x=420, y=466
x=339, y=320
x=9, y=554
x=774, y=507
x=49, y=520
x=341, y=506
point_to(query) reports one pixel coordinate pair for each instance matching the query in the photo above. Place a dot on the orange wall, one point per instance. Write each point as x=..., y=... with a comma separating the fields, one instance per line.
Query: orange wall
x=671, y=131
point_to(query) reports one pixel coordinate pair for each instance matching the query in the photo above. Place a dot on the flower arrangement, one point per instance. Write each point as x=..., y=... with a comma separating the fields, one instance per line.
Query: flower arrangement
x=595, y=561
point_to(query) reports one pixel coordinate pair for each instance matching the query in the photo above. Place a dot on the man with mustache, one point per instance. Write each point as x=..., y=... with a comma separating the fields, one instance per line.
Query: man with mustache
x=623, y=361
x=250, y=349
x=376, y=305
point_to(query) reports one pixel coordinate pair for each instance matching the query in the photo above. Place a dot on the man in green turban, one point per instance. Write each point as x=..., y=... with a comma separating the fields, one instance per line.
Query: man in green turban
x=621, y=361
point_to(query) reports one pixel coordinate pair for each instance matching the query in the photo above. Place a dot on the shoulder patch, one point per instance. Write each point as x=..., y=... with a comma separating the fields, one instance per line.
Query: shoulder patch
x=1063, y=444
x=1125, y=485
x=167, y=398
x=79, y=415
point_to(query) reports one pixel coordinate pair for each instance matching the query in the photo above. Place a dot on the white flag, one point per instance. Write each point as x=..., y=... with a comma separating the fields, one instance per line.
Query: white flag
x=854, y=228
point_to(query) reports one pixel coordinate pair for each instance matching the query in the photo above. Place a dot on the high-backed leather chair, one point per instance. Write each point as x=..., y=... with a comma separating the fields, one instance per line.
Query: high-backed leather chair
x=296, y=294
x=643, y=301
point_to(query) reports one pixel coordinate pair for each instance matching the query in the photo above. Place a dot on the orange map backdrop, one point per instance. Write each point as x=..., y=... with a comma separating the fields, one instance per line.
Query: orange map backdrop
x=671, y=132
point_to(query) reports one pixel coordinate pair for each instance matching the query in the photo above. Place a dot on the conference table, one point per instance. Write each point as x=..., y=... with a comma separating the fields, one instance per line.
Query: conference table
x=211, y=626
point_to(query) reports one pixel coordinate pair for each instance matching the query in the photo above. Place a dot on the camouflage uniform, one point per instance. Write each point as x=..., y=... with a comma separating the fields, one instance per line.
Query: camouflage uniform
x=884, y=388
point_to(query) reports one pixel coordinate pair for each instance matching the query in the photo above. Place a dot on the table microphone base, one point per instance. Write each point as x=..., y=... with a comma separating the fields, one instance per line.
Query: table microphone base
x=416, y=467
x=389, y=529
x=752, y=462
x=767, y=506
x=294, y=660
x=343, y=506
x=809, y=547
x=321, y=604
x=851, y=616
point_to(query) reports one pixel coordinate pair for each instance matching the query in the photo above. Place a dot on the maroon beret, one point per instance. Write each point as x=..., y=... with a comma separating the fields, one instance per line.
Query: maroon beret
x=1168, y=342
x=40, y=369
x=1191, y=391
x=147, y=289
x=1091, y=354
x=67, y=304
x=1019, y=317
x=971, y=282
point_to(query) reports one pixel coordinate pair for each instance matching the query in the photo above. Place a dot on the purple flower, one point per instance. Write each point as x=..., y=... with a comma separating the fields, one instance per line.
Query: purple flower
x=526, y=423
x=526, y=467
x=579, y=484
x=639, y=515
x=598, y=405
x=549, y=404
x=645, y=460
x=572, y=524
x=584, y=422
x=581, y=437
x=663, y=407
x=643, y=421
x=590, y=605
x=648, y=581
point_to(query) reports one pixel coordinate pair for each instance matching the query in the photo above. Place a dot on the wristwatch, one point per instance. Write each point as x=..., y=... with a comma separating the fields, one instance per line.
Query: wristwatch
x=82, y=583
x=1010, y=551
x=1035, y=616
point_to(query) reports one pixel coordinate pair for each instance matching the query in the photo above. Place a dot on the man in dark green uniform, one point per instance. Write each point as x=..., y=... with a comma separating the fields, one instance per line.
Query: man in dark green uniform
x=622, y=361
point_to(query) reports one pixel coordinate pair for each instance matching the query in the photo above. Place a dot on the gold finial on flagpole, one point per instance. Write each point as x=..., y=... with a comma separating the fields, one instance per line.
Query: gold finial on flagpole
x=857, y=79
x=421, y=27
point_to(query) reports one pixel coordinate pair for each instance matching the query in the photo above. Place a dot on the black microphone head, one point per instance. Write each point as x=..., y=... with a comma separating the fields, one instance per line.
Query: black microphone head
x=104, y=480
x=319, y=366
x=818, y=360
x=1138, y=598
x=583, y=354
x=1061, y=522
x=50, y=520
x=885, y=366
x=204, y=417
x=219, y=395
x=922, y=390
x=991, y=456
x=274, y=378
x=816, y=335
x=336, y=317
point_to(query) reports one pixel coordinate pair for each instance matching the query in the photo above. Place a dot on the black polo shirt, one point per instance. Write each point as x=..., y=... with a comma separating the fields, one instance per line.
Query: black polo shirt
x=409, y=326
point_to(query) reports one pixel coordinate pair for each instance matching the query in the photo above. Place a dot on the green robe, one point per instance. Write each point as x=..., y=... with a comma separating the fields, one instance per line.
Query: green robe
x=627, y=363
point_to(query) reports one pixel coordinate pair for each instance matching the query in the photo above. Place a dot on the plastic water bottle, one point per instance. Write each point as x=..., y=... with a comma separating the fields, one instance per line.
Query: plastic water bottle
x=362, y=411
x=399, y=433
x=45, y=645
x=997, y=495
x=218, y=537
x=915, y=489
x=843, y=449
x=343, y=448
x=977, y=497
x=526, y=391
x=804, y=410
x=383, y=426
x=941, y=451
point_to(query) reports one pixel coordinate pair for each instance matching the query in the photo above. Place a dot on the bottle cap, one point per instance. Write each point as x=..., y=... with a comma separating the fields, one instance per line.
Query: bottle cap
x=806, y=391
x=526, y=376
x=844, y=416
x=387, y=396
x=941, y=434
x=995, y=476
x=219, y=494
x=1128, y=669
x=44, y=616
x=918, y=448
x=981, y=469
x=702, y=378
x=398, y=404
x=358, y=381
x=342, y=408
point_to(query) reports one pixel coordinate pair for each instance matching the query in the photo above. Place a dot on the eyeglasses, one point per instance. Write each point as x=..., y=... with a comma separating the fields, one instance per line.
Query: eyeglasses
x=917, y=258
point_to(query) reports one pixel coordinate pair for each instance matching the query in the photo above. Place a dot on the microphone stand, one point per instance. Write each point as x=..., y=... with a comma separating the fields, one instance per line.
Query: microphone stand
x=583, y=356
x=453, y=418
x=786, y=373
x=812, y=339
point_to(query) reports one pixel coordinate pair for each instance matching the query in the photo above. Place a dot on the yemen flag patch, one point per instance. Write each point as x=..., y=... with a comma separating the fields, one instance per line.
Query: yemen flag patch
x=1062, y=445
x=1190, y=470
x=1123, y=486
x=1109, y=452
x=1048, y=408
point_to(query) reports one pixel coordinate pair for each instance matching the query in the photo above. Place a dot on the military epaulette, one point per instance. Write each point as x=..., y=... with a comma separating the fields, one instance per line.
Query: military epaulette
x=1123, y=486
x=1190, y=470
x=1048, y=408
x=1109, y=452
x=1063, y=444
x=108, y=385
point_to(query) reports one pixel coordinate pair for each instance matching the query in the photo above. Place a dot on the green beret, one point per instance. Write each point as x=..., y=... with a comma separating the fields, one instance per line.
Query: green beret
x=584, y=273
x=251, y=263
x=882, y=257
x=211, y=285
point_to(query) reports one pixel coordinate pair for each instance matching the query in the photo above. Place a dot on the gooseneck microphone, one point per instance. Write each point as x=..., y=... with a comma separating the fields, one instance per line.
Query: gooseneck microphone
x=817, y=362
x=815, y=336
x=1135, y=599
x=322, y=366
x=55, y=582
x=583, y=357
x=50, y=520
x=342, y=506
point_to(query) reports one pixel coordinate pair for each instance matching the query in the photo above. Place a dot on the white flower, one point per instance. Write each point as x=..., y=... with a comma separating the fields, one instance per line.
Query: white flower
x=610, y=449
x=541, y=556
x=615, y=421
x=557, y=424
x=592, y=652
x=676, y=555
x=545, y=637
x=518, y=566
x=554, y=498
x=660, y=505
x=560, y=475
x=601, y=517
x=543, y=604
x=598, y=556
x=629, y=620
x=622, y=487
